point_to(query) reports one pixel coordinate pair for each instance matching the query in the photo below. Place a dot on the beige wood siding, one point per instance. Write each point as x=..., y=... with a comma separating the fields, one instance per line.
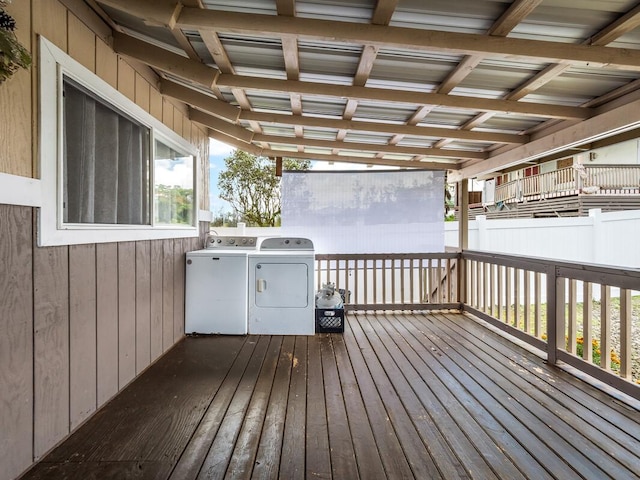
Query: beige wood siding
x=78, y=322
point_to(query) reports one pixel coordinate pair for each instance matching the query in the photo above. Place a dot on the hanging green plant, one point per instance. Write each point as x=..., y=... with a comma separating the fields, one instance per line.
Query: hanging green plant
x=13, y=55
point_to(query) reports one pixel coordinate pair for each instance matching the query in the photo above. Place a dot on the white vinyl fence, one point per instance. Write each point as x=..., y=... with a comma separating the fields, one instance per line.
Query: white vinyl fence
x=610, y=238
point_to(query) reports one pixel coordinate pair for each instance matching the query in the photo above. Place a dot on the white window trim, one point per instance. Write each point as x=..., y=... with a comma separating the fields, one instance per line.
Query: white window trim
x=53, y=64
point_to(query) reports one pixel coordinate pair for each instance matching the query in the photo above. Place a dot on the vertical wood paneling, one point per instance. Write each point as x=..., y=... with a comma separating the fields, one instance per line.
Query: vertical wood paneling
x=50, y=21
x=82, y=43
x=126, y=312
x=15, y=98
x=126, y=80
x=51, y=347
x=177, y=121
x=143, y=306
x=82, y=333
x=167, y=113
x=156, y=299
x=179, y=248
x=142, y=92
x=167, y=294
x=16, y=341
x=106, y=64
x=155, y=103
x=107, y=320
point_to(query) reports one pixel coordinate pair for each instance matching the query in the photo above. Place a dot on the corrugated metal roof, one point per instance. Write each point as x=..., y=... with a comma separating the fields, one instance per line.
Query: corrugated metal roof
x=447, y=76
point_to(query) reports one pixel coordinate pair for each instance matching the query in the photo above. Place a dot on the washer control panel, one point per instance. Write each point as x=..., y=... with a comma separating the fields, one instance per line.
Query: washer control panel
x=286, y=243
x=241, y=242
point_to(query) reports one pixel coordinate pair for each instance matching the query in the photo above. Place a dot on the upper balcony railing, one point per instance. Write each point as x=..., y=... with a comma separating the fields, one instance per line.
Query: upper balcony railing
x=611, y=179
x=586, y=316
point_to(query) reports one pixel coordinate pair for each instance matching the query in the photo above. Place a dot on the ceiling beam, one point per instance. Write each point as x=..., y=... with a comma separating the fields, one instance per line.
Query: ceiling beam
x=192, y=97
x=389, y=128
x=517, y=11
x=610, y=123
x=615, y=30
x=369, y=147
x=232, y=113
x=219, y=125
x=183, y=67
x=402, y=96
x=164, y=60
x=365, y=160
x=383, y=12
x=410, y=38
x=234, y=142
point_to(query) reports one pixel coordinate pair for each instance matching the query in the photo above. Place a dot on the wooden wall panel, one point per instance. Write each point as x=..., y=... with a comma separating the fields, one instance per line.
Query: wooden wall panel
x=82, y=43
x=142, y=92
x=167, y=294
x=106, y=64
x=179, y=249
x=126, y=312
x=126, y=80
x=143, y=305
x=167, y=113
x=16, y=340
x=51, y=347
x=156, y=299
x=107, y=321
x=15, y=114
x=50, y=21
x=82, y=333
x=177, y=122
x=155, y=103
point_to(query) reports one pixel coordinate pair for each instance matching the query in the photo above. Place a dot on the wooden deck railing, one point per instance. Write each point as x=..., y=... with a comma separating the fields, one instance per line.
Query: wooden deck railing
x=393, y=281
x=595, y=179
x=581, y=315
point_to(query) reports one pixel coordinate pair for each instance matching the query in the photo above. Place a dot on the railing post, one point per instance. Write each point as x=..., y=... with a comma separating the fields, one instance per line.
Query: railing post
x=555, y=314
x=463, y=237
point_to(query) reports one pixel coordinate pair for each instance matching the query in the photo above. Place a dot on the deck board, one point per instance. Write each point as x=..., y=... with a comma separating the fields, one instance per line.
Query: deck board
x=435, y=395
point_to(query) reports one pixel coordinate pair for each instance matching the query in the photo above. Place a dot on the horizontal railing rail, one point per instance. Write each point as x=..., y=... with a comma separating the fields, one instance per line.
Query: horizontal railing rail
x=401, y=281
x=586, y=316
x=591, y=179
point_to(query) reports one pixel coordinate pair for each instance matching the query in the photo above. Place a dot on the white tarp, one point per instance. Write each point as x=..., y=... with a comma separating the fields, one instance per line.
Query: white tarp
x=399, y=211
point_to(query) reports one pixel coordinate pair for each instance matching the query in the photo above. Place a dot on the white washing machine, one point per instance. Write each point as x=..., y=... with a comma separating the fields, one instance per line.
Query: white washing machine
x=216, y=286
x=282, y=287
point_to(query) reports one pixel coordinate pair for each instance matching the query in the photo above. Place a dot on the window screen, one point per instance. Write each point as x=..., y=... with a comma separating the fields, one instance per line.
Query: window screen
x=105, y=162
x=400, y=211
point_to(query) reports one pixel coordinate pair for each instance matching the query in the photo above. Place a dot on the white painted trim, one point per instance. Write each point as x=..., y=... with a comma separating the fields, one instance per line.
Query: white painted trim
x=17, y=190
x=53, y=63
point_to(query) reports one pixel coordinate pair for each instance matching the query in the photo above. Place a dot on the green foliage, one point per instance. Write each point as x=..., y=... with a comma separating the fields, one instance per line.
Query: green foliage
x=173, y=205
x=13, y=55
x=250, y=185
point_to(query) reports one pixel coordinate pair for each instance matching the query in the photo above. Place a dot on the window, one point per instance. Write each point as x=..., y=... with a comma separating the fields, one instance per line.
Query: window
x=173, y=186
x=110, y=171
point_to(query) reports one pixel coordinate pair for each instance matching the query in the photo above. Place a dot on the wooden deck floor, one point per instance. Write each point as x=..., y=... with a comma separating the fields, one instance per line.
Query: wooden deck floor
x=397, y=396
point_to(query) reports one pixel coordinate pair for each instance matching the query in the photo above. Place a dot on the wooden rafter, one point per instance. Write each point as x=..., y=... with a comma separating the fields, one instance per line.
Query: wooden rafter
x=409, y=38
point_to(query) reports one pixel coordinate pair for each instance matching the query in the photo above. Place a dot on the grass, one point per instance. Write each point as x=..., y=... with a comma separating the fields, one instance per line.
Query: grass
x=595, y=330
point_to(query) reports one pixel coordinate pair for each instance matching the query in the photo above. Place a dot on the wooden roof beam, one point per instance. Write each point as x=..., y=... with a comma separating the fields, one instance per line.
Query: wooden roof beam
x=409, y=38
x=355, y=159
x=369, y=147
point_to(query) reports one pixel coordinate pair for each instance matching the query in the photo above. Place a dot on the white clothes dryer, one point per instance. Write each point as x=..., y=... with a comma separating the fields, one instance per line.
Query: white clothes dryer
x=216, y=286
x=282, y=287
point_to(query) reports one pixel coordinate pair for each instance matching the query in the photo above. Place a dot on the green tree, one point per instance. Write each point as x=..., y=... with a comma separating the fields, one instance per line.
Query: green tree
x=250, y=185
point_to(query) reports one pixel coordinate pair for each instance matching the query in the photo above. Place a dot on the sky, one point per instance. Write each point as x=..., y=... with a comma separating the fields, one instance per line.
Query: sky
x=218, y=151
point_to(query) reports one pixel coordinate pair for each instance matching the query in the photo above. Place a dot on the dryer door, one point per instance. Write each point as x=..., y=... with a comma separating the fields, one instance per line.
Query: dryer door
x=281, y=285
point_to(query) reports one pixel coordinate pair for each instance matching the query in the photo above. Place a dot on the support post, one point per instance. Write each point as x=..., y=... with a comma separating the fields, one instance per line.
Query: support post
x=463, y=236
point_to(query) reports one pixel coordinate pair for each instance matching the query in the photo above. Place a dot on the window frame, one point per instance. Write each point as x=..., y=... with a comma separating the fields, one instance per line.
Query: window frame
x=55, y=64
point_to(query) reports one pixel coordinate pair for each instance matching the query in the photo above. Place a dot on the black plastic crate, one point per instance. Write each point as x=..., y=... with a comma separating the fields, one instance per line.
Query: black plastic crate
x=329, y=320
